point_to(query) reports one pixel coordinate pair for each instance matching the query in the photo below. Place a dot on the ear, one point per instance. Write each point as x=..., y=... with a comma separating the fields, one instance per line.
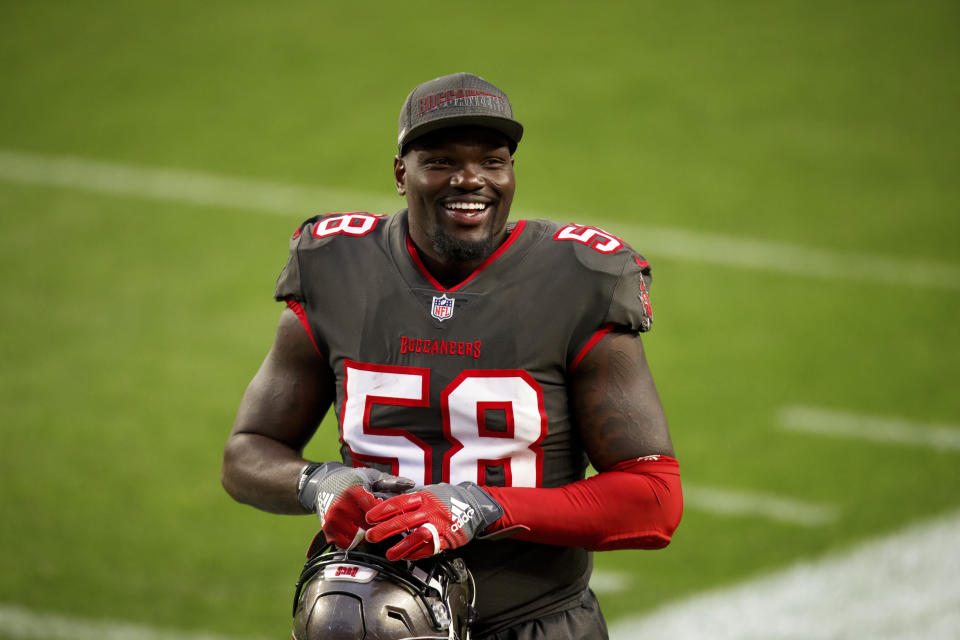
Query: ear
x=400, y=175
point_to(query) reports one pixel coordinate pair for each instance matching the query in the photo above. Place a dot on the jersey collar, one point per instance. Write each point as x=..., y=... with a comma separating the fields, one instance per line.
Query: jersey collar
x=418, y=261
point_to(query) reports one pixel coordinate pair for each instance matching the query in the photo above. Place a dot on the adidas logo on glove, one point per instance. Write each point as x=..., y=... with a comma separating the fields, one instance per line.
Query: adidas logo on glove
x=324, y=500
x=462, y=513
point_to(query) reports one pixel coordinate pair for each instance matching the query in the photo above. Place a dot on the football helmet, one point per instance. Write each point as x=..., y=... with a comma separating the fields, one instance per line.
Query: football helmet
x=360, y=595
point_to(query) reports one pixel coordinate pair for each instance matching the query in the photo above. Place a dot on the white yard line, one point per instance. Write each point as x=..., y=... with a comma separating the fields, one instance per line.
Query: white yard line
x=183, y=186
x=846, y=424
x=603, y=581
x=299, y=202
x=764, y=255
x=729, y=502
x=902, y=587
x=18, y=623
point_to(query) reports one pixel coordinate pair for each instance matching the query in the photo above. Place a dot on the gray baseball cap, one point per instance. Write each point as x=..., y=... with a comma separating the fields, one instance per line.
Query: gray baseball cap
x=456, y=100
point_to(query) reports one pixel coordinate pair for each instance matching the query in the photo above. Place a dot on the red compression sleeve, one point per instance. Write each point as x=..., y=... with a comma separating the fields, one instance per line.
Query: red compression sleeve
x=636, y=504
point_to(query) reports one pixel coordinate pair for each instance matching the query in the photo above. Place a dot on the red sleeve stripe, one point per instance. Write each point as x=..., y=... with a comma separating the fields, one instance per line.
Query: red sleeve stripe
x=294, y=306
x=604, y=330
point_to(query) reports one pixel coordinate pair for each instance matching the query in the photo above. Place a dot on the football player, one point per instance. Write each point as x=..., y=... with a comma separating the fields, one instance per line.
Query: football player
x=476, y=365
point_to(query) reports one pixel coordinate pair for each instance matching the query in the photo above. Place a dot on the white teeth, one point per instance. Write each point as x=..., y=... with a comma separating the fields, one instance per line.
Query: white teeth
x=466, y=206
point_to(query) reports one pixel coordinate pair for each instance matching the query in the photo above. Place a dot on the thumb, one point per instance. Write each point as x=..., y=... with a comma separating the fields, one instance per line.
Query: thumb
x=393, y=484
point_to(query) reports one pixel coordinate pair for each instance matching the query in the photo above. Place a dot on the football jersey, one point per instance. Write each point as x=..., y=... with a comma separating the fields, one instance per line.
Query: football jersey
x=469, y=382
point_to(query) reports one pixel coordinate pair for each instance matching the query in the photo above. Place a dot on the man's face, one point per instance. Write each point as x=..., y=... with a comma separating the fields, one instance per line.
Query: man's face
x=459, y=185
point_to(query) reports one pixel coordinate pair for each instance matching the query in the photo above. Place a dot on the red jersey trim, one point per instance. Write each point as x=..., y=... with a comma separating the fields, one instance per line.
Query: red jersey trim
x=604, y=330
x=294, y=306
x=415, y=256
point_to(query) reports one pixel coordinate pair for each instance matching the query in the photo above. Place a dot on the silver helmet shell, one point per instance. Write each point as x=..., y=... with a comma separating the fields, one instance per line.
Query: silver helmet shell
x=358, y=595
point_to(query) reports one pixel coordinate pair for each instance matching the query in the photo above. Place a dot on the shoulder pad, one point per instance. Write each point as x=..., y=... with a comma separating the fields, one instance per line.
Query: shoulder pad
x=354, y=224
x=603, y=252
x=313, y=233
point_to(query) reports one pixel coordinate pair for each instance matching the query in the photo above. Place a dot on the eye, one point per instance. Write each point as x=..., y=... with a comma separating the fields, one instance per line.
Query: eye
x=436, y=162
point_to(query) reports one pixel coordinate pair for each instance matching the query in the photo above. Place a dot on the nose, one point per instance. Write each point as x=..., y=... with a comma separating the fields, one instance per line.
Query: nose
x=468, y=178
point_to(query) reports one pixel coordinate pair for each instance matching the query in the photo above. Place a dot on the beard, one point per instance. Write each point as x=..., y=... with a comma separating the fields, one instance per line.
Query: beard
x=455, y=250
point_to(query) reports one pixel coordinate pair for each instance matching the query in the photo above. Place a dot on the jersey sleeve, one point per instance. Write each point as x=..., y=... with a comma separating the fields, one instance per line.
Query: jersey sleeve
x=289, y=285
x=608, y=284
x=630, y=303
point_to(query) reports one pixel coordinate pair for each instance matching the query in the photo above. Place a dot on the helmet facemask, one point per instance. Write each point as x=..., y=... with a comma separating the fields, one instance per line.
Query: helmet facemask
x=360, y=595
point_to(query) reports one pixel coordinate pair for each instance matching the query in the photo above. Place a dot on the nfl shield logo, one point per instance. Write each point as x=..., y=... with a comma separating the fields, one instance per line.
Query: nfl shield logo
x=442, y=307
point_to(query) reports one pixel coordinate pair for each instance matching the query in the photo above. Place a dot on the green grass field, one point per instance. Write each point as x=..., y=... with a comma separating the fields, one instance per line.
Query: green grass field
x=130, y=321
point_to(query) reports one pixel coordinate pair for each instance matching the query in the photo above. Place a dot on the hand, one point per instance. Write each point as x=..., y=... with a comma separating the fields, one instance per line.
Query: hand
x=438, y=517
x=341, y=497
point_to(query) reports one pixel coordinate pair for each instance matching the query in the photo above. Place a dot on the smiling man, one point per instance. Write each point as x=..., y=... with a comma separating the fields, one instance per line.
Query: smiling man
x=459, y=186
x=475, y=366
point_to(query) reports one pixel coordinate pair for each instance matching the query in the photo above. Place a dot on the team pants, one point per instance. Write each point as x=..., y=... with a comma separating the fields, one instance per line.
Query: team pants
x=582, y=622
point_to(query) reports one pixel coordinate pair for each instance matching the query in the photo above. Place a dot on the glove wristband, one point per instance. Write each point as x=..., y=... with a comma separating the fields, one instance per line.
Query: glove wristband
x=307, y=483
x=489, y=509
x=305, y=474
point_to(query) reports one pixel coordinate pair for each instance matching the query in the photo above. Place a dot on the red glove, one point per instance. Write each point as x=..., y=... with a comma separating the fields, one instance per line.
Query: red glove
x=341, y=496
x=438, y=517
x=344, y=522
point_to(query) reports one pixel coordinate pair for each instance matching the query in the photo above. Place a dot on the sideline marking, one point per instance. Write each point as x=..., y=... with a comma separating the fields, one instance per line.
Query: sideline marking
x=753, y=504
x=602, y=581
x=178, y=185
x=846, y=424
x=726, y=502
x=298, y=201
x=900, y=587
x=20, y=623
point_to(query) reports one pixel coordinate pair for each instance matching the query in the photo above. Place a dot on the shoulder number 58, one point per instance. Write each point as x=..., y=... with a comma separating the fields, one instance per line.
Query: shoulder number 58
x=595, y=238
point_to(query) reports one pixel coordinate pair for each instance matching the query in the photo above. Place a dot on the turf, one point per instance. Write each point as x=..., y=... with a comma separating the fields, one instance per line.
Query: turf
x=129, y=327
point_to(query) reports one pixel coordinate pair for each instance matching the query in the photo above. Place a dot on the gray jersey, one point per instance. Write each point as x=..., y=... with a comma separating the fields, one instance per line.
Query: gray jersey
x=469, y=382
